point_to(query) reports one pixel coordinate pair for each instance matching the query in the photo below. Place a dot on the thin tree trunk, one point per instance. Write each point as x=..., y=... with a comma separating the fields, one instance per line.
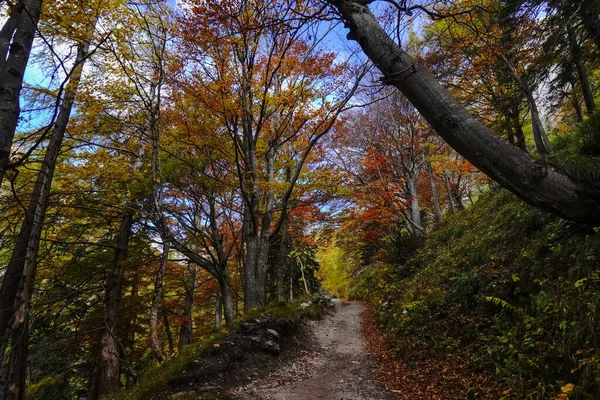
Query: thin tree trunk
x=291, y=284
x=218, y=311
x=128, y=324
x=27, y=15
x=589, y=12
x=449, y=193
x=542, y=144
x=107, y=371
x=588, y=97
x=282, y=260
x=18, y=283
x=437, y=210
x=576, y=104
x=169, y=333
x=227, y=297
x=186, y=331
x=415, y=212
x=157, y=296
x=303, y=276
x=251, y=239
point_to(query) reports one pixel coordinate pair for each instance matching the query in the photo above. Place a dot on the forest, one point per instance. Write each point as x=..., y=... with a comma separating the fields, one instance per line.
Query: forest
x=171, y=168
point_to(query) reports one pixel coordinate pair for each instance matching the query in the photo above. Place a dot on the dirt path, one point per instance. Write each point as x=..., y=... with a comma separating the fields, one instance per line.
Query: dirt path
x=338, y=369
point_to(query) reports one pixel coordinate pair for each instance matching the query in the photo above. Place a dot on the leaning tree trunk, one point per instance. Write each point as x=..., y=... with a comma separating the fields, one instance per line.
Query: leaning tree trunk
x=589, y=12
x=19, y=278
x=536, y=183
x=21, y=28
x=540, y=137
x=577, y=57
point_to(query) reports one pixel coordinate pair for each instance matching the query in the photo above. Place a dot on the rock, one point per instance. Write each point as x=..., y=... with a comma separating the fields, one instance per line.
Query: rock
x=208, y=387
x=274, y=334
x=181, y=395
x=248, y=327
x=271, y=347
x=307, y=304
x=254, y=339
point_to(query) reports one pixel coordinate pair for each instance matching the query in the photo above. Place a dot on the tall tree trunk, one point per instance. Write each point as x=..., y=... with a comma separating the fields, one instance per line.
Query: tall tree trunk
x=169, y=333
x=542, y=144
x=227, y=298
x=536, y=183
x=19, y=279
x=588, y=97
x=186, y=331
x=218, y=311
x=589, y=12
x=576, y=104
x=282, y=261
x=415, y=212
x=250, y=266
x=157, y=296
x=130, y=322
x=108, y=366
x=449, y=194
x=519, y=134
x=106, y=376
x=437, y=210
x=107, y=371
x=21, y=29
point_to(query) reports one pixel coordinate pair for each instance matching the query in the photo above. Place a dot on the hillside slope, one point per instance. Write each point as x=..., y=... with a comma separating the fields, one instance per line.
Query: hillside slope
x=508, y=293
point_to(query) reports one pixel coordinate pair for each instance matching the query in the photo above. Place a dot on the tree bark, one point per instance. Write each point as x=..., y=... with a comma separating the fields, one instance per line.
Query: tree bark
x=107, y=371
x=218, y=311
x=19, y=278
x=415, y=212
x=536, y=183
x=437, y=210
x=169, y=333
x=542, y=144
x=22, y=29
x=589, y=12
x=157, y=296
x=588, y=97
x=449, y=194
x=186, y=331
x=282, y=261
x=227, y=299
x=576, y=104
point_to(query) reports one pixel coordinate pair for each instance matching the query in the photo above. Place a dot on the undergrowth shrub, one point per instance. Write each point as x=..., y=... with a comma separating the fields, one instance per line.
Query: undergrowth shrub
x=506, y=289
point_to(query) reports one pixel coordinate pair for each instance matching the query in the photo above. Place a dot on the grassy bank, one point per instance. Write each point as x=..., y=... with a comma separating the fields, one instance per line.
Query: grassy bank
x=505, y=289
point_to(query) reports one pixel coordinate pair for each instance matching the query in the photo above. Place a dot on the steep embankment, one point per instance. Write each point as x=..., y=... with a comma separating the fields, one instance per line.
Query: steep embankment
x=502, y=302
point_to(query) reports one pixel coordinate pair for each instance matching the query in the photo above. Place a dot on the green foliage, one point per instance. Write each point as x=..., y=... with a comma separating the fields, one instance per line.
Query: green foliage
x=504, y=288
x=334, y=269
x=157, y=376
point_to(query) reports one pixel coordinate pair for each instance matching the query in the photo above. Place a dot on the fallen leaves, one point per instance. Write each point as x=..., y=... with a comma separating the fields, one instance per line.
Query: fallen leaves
x=431, y=379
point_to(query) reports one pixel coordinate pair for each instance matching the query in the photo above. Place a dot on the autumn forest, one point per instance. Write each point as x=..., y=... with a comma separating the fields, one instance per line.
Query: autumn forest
x=169, y=168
